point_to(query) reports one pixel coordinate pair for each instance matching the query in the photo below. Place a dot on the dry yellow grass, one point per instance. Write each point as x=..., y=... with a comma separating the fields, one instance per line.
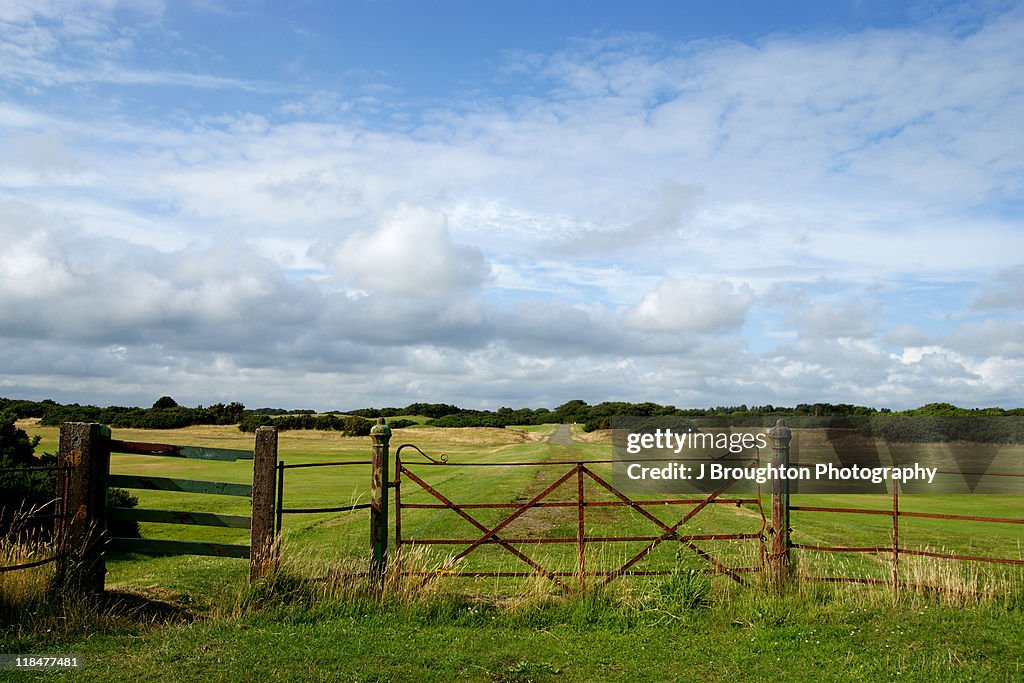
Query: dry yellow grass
x=228, y=436
x=600, y=436
x=489, y=436
x=24, y=586
x=17, y=547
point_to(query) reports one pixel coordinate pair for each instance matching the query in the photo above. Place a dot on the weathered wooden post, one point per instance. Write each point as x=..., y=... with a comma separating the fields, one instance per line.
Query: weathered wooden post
x=263, y=550
x=380, y=434
x=85, y=450
x=778, y=559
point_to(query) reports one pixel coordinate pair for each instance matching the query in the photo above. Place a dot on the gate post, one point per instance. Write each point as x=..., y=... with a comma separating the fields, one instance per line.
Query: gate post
x=380, y=434
x=263, y=551
x=778, y=558
x=85, y=449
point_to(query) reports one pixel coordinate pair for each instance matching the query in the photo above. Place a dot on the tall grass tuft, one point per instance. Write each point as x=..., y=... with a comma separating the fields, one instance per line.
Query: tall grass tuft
x=687, y=589
x=25, y=543
x=960, y=584
x=921, y=580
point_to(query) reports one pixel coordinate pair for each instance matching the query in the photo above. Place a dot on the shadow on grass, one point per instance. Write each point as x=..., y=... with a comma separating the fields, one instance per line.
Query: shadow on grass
x=145, y=609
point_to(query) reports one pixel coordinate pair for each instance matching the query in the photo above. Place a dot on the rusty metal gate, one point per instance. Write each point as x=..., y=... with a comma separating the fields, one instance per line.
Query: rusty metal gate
x=578, y=472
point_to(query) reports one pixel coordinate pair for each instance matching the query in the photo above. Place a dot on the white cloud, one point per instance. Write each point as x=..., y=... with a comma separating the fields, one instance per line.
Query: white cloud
x=1006, y=290
x=991, y=337
x=53, y=43
x=906, y=334
x=64, y=285
x=76, y=16
x=409, y=254
x=827, y=321
x=691, y=305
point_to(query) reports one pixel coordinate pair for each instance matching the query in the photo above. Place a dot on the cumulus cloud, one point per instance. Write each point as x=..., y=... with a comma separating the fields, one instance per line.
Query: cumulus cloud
x=63, y=284
x=691, y=305
x=409, y=254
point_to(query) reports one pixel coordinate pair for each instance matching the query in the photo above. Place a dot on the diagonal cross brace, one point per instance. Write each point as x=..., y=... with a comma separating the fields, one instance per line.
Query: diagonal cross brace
x=491, y=533
x=669, y=531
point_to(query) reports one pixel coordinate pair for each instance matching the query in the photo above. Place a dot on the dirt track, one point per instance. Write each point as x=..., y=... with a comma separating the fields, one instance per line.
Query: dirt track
x=561, y=436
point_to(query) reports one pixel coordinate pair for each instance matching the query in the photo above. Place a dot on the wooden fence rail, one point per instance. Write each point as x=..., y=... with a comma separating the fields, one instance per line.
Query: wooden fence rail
x=84, y=480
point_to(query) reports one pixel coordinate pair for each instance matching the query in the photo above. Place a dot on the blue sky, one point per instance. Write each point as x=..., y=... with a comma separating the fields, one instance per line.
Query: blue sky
x=340, y=204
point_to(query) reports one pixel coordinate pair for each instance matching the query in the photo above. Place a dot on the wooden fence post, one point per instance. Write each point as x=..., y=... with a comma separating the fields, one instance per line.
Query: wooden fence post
x=778, y=559
x=263, y=550
x=85, y=448
x=380, y=434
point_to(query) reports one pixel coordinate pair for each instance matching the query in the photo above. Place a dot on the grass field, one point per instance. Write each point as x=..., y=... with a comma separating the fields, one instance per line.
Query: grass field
x=187, y=618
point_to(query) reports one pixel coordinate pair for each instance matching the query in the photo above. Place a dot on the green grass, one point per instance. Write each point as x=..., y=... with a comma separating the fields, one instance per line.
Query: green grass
x=297, y=631
x=544, y=430
x=681, y=627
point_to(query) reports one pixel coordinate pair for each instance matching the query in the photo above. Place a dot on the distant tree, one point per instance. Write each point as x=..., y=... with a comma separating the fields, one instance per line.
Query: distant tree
x=434, y=410
x=17, y=448
x=944, y=409
x=252, y=420
x=226, y=414
x=572, y=411
x=21, y=491
x=165, y=402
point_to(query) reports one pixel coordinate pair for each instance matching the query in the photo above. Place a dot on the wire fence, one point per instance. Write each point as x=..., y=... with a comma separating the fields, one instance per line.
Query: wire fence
x=896, y=549
x=23, y=518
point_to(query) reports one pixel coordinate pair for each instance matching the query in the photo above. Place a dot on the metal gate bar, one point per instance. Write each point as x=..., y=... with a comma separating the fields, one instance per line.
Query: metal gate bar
x=580, y=471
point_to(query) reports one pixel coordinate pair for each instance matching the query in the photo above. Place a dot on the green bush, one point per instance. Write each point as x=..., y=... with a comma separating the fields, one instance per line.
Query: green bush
x=470, y=418
x=251, y=421
x=599, y=423
x=118, y=527
x=22, y=491
x=165, y=402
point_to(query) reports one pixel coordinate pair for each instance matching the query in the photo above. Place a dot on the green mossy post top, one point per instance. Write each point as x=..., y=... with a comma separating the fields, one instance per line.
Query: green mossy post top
x=780, y=434
x=380, y=430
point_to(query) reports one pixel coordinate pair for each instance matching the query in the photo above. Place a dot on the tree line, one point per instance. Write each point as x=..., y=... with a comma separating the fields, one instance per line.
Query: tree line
x=167, y=414
x=164, y=414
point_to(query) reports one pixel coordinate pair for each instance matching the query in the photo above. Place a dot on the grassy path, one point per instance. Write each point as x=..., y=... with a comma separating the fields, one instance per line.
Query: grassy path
x=561, y=436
